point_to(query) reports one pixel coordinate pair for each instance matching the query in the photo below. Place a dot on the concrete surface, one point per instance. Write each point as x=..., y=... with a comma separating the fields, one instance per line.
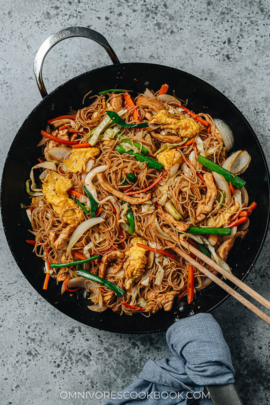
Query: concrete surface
x=43, y=352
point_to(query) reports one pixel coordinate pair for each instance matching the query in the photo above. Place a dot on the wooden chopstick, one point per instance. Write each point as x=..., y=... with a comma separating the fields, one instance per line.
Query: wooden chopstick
x=223, y=285
x=226, y=274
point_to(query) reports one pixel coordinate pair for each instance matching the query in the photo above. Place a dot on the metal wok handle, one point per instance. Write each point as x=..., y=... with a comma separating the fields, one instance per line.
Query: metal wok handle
x=59, y=36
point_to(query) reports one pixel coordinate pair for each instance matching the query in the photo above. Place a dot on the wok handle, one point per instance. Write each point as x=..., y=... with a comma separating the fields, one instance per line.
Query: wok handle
x=224, y=394
x=59, y=36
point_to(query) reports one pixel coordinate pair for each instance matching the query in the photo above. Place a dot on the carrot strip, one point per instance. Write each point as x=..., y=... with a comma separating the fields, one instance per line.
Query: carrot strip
x=81, y=145
x=31, y=242
x=190, y=142
x=249, y=210
x=160, y=251
x=74, y=131
x=61, y=117
x=190, y=285
x=200, y=177
x=182, y=294
x=148, y=188
x=195, y=116
x=163, y=90
x=64, y=127
x=68, y=289
x=237, y=222
x=40, y=160
x=47, y=277
x=231, y=188
x=54, y=138
x=75, y=193
x=62, y=171
x=130, y=103
x=132, y=307
x=99, y=211
x=78, y=255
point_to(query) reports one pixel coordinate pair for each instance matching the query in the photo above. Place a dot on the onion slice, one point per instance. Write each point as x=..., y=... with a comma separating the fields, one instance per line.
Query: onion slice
x=245, y=198
x=88, y=180
x=57, y=154
x=225, y=133
x=216, y=257
x=222, y=184
x=238, y=162
x=166, y=98
x=148, y=93
x=80, y=230
x=44, y=165
x=232, y=235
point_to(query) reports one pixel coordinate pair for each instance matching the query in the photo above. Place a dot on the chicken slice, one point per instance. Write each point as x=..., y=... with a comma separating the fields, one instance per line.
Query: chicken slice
x=150, y=103
x=61, y=241
x=166, y=138
x=116, y=101
x=179, y=225
x=205, y=206
x=224, y=248
x=108, y=258
x=182, y=125
x=135, y=262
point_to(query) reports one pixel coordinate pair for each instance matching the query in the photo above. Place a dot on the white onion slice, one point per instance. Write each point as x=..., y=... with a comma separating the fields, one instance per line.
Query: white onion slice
x=216, y=257
x=88, y=180
x=44, y=165
x=58, y=154
x=43, y=140
x=245, y=198
x=187, y=170
x=222, y=184
x=159, y=273
x=146, y=279
x=200, y=145
x=225, y=133
x=238, y=162
x=233, y=232
x=160, y=231
x=148, y=93
x=96, y=308
x=166, y=98
x=174, y=169
x=212, y=239
x=244, y=226
x=80, y=230
x=59, y=123
x=150, y=260
x=238, y=197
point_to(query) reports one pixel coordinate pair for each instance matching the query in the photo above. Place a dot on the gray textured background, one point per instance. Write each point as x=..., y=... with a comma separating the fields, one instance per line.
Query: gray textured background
x=43, y=352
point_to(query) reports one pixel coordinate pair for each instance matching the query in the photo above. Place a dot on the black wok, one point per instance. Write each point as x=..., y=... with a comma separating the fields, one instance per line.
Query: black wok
x=23, y=155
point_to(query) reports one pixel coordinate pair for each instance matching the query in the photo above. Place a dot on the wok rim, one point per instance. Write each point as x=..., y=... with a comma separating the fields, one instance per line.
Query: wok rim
x=178, y=71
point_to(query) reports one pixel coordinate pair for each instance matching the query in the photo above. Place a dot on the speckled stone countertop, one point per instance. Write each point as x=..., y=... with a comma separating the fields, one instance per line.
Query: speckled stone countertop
x=44, y=353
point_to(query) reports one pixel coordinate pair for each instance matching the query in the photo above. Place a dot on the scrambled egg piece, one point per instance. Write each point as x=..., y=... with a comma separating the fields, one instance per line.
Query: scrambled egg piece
x=55, y=189
x=169, y=157
x=135, y=262
x=182, y=125
x=76, y=162
x=223, y=218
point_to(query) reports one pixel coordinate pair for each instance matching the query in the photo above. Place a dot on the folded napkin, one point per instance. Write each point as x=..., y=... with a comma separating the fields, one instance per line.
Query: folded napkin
x=200, y=356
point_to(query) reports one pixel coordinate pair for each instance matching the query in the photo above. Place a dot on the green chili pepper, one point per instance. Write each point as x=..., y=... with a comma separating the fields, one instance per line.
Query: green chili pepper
x=97, y=279
x=118, y=121
x=82, y=206
x=74, y=263
x=93, y=203
x=111, y=90
x=222, y=198
x=197, y=230
x=131, y=220
x=141, y=148
x=141, y=158
x=131, y=179
x=230, y=177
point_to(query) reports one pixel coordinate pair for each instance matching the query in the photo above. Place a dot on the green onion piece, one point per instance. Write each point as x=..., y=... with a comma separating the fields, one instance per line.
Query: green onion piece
x=172, y=210
x=118, y=120
x=141, y=158
x=230, y=177
x=77, y=201
x=111, y=90
x=222, y=198
x=197, y=230
x=131, y=220
x=203, y=249
x=93, y=203
x=97, y=279
x=131, y=179
x=141, y=148
x=74, y=263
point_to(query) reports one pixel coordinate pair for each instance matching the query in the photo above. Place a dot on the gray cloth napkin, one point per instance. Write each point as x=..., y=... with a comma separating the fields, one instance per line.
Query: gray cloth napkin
x=200, y=356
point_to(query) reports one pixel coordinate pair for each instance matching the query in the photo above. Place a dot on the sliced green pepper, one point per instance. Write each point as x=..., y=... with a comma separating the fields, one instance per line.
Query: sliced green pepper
x=230, y=177
x=110, y=91
x=141, y=158
x=118, y=121
x=97, y=279
x=74, y=263
x=93, y=203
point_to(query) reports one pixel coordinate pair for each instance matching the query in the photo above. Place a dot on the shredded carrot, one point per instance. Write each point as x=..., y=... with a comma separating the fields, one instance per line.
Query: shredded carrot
x=163, y=90
x=160, y=251
x=148, y=188
x=40, y=160
x=75, y=193
x=66, y=287
x=132, y=307
x=182, y=294
x=47, y=277
x=54, y=138
x=61, y=117
x=62, y=171
x=130, y=104
x=200, y=177
x=249, y=210
x=237, y=222
x=99, y=211
x=190, y=142
x=31, y=242
x=81, y=145
x=79, y=255
x=64, y=127
x=195, y=116
x=231, y=188
x=74, y=131
x=190, y=284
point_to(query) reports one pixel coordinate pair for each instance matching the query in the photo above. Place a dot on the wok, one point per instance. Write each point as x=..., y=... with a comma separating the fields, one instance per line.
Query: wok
x=23, y=155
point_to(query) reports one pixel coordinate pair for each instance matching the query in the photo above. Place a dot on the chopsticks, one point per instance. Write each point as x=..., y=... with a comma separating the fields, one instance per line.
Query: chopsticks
x=221, y=283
